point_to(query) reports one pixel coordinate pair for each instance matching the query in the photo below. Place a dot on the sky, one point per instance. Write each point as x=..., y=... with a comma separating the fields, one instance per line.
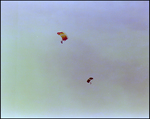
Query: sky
x=109, y=41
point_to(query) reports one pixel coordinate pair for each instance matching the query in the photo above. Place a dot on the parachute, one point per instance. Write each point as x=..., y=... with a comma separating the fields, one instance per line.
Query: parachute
x=63, y=35
x=88, y=81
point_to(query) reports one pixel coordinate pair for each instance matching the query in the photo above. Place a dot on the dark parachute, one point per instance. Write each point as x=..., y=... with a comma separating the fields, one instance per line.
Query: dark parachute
x=88, y=81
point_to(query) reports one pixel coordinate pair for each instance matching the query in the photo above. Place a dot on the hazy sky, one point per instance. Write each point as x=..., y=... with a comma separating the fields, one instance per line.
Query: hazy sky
x=108, y=41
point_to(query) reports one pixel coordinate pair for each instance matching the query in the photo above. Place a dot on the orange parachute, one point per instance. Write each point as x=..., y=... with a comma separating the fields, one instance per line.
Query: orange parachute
x=88, y=81
x=63, y=35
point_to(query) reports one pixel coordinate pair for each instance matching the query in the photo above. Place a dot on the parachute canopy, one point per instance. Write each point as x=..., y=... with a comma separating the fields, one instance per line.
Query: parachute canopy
x=63, y=36
x=88, y=81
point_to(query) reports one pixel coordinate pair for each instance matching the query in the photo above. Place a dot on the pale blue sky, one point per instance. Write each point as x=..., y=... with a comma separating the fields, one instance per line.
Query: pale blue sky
x=106, y=40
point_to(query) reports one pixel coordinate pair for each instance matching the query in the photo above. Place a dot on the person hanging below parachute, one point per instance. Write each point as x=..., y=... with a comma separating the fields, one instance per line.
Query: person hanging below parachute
x=88, y=81
x=63, y=36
